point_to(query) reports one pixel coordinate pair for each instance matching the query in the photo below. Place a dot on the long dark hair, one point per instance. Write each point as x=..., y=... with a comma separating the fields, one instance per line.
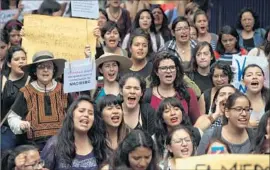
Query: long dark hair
x=48, y=7
x=161, y=127
x=255, y=16
x=137, y=18
x=9, y=26
x=261, y=132
x=136, y=138
x=109, y=100
x=66, y=149
x=227, y=30
x=8, y=158
x=264, y=90
x=178, y=84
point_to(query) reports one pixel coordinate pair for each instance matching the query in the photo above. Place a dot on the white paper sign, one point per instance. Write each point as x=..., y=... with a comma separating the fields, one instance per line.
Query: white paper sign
x=85, y=9
x=240, y=62
x=6, y=15
x=79, y=75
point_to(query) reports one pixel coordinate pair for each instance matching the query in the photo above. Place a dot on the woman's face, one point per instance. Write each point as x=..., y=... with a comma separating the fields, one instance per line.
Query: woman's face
x=217, y=145
x=158, y=16
x=3, y=50
x=202, y=23
x=181, y=144
x=172, y=116
x=17, y=61
x=112, y=115
x=224, y=93
x=219, y=78
x=254, y=79
x=237, y=117
x=139, y=48
x=109, y=70
x=145, y=20
x=132, y=92
x=140, y=158
x=83, y=117
x=114, y=3
x=203, y=57
x=193, y=33
x=247, y=21
x=15, y=38
x=32, y=160
x=45, y=72
x=112, y=38
x=229, y=43
x=101, y=20
x=181, y=32
x=166, y=71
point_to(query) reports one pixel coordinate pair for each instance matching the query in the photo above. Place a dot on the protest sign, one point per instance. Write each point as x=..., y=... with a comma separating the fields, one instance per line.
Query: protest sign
x=85, y=9
x=224, y=162
x=158, y=1
x=64, y=37
x=80, y=75
x=6, y=15
x=240, y=62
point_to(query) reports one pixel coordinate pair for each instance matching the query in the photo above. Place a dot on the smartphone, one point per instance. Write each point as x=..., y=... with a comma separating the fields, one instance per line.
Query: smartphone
x=215, y=149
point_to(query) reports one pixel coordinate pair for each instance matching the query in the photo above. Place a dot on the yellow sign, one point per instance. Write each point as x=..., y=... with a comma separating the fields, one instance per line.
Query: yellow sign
x=64, y=37
x=224, y=162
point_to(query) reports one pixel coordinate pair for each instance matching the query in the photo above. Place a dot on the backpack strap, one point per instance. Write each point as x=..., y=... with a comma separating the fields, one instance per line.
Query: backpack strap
x=147, y=95
x=158, y=41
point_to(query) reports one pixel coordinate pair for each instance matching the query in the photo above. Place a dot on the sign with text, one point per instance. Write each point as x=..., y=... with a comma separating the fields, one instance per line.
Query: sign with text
x=85, y=9
x=80, y=75
x=64, y=37
x=6, y=15
x=224, y=162
x=239, y=63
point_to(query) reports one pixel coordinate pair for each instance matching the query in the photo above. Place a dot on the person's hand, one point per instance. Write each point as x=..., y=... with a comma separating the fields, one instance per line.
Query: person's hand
x=220, y=104
x=87, y=51
x=22, y=32
x=20, y=161
x=25, y=125
x=20, y=7
x=97, y=32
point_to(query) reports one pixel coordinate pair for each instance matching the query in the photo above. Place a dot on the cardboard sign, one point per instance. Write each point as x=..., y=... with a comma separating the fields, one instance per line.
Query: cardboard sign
x=85, y=9
x=80, y=75
x=224, y=162
x=240, y=62
x=64, y=37
x=6, y=15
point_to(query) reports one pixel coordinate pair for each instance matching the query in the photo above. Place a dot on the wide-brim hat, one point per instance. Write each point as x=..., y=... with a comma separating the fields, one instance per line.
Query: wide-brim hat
x=124, y=62
x=43, y=56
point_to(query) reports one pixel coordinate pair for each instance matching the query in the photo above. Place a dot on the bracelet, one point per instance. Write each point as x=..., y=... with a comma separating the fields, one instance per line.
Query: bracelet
x=212, y=120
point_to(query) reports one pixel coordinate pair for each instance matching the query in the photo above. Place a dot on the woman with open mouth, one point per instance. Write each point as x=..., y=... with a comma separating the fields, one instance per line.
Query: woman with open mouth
x=109, y=66
x=13, y=78
x=110, y=110
x=180, y=144
x=228, y=45
x=145, y=20
x=202, y=23
x=234, y=131
x=167, y=81
x=80, y=142
x=137, y=113
x=221, y=74
x=250, y=35
x=170, y=115
x=258, y=94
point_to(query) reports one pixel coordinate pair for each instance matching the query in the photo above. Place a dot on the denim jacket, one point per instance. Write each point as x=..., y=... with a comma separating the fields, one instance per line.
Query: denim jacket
x=258, y=37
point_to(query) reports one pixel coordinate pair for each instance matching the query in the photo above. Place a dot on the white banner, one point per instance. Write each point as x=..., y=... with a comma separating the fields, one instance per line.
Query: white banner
x=85, y=9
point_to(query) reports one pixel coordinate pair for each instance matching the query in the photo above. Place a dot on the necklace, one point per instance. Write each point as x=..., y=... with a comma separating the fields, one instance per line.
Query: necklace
x=115, y=18
x=163, y=97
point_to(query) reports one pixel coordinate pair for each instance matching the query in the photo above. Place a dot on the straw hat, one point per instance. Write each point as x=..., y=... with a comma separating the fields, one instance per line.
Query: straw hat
x=43, y=56
x=124, y=62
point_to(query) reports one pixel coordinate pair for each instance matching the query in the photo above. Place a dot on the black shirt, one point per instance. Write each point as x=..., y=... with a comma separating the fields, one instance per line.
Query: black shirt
x=203, y=82
x=248, y=43
x=146, y=71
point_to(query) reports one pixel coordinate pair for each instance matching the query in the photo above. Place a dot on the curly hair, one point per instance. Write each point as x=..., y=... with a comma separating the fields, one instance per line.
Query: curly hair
x=227, y=70
x=255, y=16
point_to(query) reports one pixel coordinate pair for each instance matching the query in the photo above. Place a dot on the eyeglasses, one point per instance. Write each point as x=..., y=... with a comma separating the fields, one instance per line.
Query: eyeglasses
x=37, y=165
x=43, y=66
x=240, y=109
x=165, y=68
x=181, y=140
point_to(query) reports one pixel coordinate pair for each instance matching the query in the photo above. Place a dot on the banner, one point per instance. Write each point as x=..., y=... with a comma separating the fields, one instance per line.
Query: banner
x=80, y=75
x=240, y=62
x=64, y=37
x=224, y=162
x=85, y=9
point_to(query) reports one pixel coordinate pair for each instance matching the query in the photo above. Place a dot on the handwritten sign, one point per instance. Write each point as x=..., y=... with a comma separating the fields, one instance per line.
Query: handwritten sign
x=224, y=162
x=240, y=62
x=80, y=75
x=6, y=15
x=85, y=9
x=64, y=37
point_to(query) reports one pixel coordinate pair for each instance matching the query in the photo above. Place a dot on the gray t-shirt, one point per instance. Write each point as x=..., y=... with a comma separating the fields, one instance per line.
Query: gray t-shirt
x=235, y=148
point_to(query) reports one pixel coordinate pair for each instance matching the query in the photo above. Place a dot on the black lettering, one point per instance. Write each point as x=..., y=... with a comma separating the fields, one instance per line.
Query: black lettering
x=245, y=166
x=234, y=167
x=199, y=166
